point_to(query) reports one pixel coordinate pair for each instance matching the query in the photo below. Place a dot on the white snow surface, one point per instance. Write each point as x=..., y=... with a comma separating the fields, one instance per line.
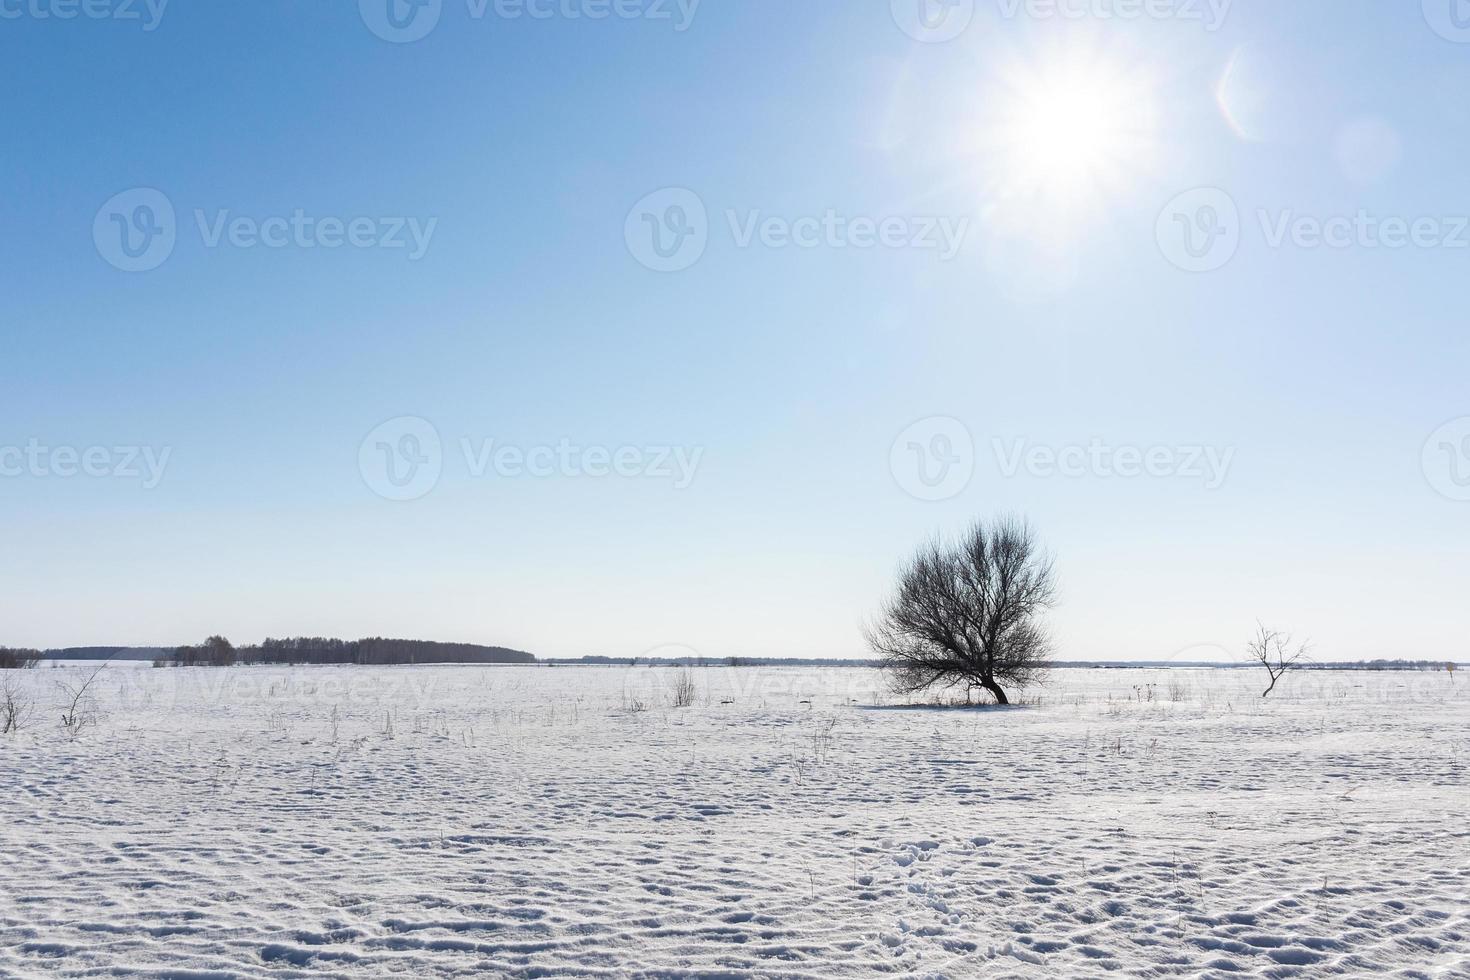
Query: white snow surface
x=489, y=821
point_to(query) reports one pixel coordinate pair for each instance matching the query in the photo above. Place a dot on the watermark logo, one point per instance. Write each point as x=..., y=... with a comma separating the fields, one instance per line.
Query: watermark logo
x=279, y=687
x=1209, y=13
x=680, y=12
x=938, y=21
x=402, y=459
x=1363, y=230
x=933, y=459
x=678, y=464
x=1208, y=464
x=136, y=231
x=832, y=229
x=145, y=464
x=933, y=21
x=1450, y=19
x=149, y=13
x=668, y=230
x=1199, y=231
x=304, y=231
x=406, y=21
x=401, y=21
x=1447, y=459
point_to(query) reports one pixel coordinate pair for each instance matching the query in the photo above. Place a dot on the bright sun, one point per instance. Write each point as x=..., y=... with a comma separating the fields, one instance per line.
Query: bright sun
x=1069, y=134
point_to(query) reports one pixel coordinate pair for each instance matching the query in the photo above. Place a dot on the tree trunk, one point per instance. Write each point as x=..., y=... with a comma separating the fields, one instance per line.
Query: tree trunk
x=994, y=688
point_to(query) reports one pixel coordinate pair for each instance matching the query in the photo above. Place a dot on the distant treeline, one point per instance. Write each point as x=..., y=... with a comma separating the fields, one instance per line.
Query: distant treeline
x=297, y=650
x=1378, y=665
x=107, y=653
x=319, y=650
x=219, y=652
x=1222, y=665
x=705, y=662
x=12, y=658
x=599, y=661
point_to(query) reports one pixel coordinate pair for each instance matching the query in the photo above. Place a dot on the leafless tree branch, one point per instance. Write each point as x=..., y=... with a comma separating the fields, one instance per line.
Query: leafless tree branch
x=1273, y=650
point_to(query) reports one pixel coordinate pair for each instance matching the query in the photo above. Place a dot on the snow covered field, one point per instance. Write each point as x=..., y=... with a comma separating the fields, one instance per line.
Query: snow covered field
x=532, y=821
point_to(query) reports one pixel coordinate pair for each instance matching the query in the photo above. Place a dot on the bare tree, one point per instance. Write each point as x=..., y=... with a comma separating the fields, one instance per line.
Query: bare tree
x=1273, y=650
x=968, y=612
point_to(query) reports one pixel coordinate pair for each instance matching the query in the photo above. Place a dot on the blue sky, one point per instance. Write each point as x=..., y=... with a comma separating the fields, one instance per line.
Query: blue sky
x=1331, y=378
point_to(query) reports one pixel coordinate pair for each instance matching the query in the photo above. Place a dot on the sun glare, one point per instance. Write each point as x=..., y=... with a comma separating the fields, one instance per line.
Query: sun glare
x=1066, y=135
x=1070, y=134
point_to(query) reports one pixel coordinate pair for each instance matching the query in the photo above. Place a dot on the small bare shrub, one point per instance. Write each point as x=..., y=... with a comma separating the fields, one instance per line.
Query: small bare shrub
x=822, y=739
x=15, y=707
x=78, y=711
x=684, y=689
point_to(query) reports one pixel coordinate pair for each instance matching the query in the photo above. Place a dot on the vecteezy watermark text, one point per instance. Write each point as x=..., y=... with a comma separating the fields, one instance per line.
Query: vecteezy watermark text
x=669, y=230
x=1210, y=13
x=566, y=459
x=137, y=231
x=403, y=459
x=937, y=21
x=406, y=21
x=1208, y=464
x=148, y=13
x=1201, y=230
x=144, y=463
x=679, y=12
x=833, y=230
x=301, y=230
x=1363, y=229
x=935, y=459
